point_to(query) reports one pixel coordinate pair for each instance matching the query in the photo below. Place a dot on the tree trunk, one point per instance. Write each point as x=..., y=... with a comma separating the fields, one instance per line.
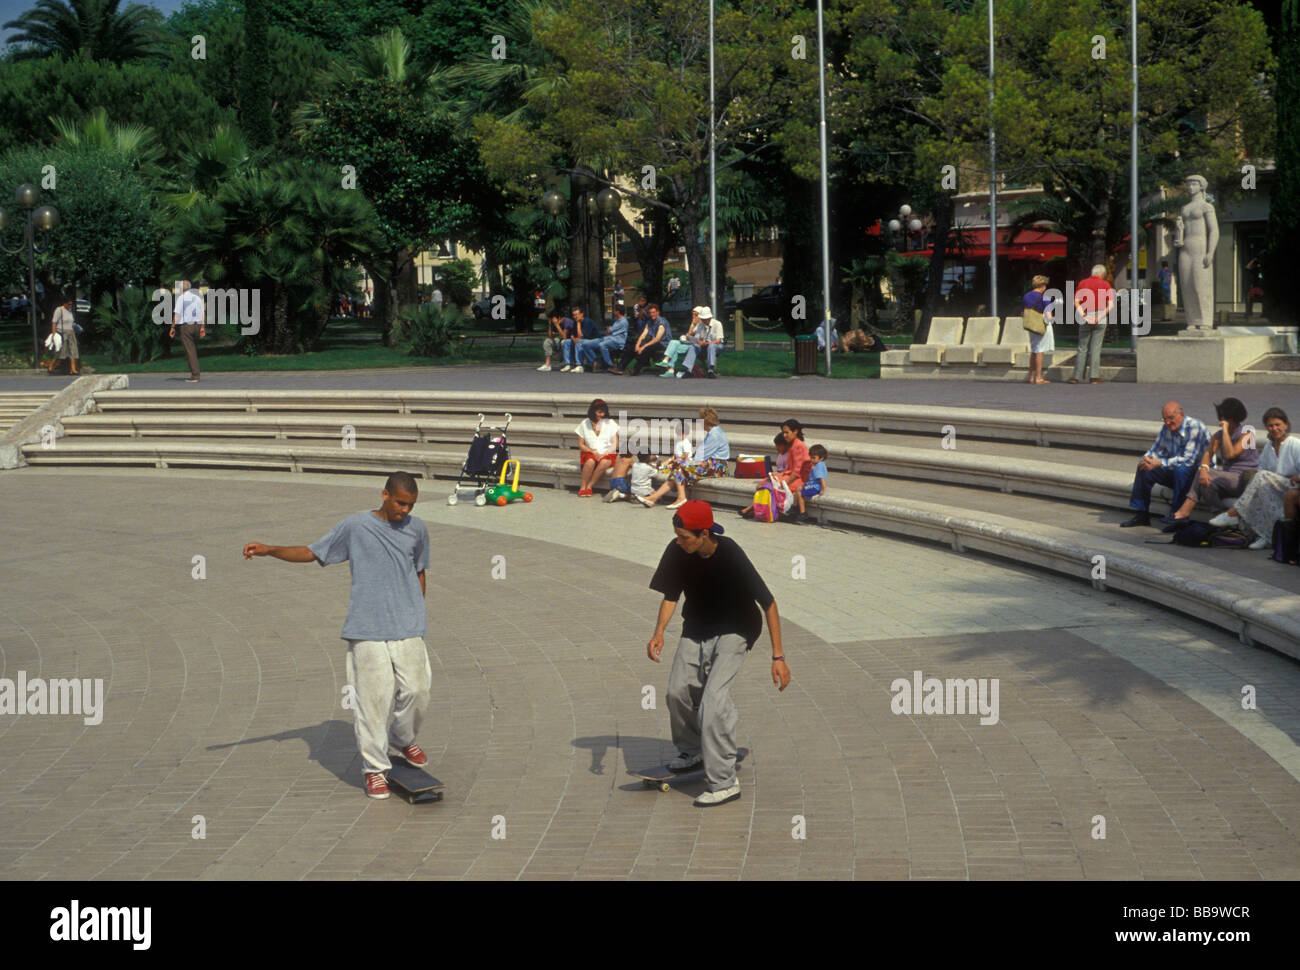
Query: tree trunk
x=577, y=255
x=799, y=274
x=1282, y=300
x=691, y=218
x=722, y=278
x=934, y=281
x=650, y=250
x=525, y=313
x=595, y=305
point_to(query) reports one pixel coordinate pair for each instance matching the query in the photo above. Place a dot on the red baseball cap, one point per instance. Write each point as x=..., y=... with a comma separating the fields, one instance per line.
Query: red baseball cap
x=698, y=515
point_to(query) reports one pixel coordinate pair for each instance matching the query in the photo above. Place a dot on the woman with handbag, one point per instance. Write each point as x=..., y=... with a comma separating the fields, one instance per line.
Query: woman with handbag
x=64, y=324
x=1039, y=327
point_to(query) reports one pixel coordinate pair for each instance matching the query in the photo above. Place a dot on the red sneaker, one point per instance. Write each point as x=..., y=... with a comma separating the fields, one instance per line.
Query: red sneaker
x=376, y=784
x=415, y=756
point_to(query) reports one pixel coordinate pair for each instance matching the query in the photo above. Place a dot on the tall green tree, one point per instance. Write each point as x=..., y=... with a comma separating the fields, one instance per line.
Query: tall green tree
x=109, y=232
x=1062, y=97
x=294, y=61
x=98, y=30
x=629, y=89
x=289, y=232
x=1284, y=209
x=255, y=77
x=34, y=91
x=375, y=125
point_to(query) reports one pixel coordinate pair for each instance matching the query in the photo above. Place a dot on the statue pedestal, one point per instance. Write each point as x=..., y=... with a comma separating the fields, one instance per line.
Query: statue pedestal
x=1206, y=356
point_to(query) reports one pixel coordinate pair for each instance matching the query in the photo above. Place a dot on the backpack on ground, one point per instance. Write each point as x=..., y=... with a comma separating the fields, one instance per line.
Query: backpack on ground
x=1194, y=534
x=1229, y=538
x=1286, y=541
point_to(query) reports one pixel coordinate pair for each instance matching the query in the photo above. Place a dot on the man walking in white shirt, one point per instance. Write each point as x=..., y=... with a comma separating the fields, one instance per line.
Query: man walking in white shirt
x=188, y=314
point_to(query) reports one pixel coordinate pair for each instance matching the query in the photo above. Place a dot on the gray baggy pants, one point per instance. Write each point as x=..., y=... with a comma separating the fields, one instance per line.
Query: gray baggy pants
x=390, y=678
x=700, y=711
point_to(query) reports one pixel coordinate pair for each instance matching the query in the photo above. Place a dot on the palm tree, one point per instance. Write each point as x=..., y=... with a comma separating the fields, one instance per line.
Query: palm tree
x=94, y=29
x=94, y=132
x=204, y=168
x=288, y=231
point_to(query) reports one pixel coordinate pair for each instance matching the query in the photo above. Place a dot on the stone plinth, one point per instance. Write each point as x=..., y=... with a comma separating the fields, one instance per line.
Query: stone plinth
x=1208, y=356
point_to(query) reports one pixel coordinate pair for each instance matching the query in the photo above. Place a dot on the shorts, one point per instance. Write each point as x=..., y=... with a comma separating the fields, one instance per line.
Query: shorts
x=812, y=489
x=587, y=456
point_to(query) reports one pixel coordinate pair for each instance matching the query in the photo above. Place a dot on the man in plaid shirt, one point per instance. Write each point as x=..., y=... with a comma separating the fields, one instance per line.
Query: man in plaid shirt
x=1171, y=461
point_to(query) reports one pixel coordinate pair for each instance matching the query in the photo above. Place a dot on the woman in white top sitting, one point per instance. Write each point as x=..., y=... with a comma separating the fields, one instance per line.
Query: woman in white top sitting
x=597, y=445
x=1279, y=471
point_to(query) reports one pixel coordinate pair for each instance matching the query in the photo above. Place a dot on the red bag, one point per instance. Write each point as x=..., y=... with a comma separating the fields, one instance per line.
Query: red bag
x=749, y=468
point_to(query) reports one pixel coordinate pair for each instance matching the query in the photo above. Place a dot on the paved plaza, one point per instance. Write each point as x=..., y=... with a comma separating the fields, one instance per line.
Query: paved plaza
x=1111, y=400
x=223, y=713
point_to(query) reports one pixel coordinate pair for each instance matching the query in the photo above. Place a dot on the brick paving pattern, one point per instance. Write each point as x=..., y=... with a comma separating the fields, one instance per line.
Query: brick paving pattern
x=223, y=700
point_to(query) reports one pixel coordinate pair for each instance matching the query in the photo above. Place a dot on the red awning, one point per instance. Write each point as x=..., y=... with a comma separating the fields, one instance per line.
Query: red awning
x=1030, y=245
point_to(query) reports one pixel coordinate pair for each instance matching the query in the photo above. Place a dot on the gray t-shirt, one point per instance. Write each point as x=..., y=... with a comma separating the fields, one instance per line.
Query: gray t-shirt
x=386, y=602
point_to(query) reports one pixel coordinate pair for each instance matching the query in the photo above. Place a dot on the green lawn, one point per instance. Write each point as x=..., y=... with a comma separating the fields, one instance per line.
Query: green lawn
x=351, y=347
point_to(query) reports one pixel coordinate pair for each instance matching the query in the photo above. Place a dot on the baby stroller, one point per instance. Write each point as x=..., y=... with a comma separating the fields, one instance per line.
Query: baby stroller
x=487, y=453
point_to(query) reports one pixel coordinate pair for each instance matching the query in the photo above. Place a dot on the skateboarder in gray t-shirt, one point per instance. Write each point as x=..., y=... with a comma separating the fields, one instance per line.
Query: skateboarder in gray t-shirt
x=388, y=663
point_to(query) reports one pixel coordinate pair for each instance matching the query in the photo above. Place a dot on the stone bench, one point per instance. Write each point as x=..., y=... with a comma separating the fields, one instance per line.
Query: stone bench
x=1251, y=610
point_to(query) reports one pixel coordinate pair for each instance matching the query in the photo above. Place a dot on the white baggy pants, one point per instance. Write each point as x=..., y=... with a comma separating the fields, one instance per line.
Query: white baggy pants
x=391, y=679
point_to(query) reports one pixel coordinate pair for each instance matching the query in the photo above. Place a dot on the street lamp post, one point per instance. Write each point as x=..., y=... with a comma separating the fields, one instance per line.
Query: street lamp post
x=587, y=285
x=44, y=218
x=905, y=220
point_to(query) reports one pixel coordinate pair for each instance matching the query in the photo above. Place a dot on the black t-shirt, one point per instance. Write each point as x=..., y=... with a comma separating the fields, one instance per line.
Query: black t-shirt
x=721, y=591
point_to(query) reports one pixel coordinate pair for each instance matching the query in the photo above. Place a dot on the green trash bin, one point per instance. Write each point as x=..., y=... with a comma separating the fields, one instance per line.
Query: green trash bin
x=805, y=354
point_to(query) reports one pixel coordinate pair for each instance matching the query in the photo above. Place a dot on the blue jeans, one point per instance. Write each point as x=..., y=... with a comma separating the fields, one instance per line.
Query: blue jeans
x=589, y=349
x=711, y=350
x=1179, y=478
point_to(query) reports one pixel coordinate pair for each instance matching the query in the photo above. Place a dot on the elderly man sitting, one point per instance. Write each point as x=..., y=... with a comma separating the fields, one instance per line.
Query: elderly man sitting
x=1171, y=461
x=708, y=335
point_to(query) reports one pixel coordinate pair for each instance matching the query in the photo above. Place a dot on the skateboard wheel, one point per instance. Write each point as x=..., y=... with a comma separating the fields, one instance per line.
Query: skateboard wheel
x=665, y=787
x=647, y=783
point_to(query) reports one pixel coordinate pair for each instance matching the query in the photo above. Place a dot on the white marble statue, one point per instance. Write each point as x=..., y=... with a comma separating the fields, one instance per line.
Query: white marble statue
x=1196, y=235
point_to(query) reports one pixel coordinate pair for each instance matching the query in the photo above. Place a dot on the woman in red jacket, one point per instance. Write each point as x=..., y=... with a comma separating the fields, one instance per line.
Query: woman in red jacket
x=798, y=463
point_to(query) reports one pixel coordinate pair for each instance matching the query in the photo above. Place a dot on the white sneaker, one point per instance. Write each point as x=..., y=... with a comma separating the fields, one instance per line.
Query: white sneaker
x=565, y=369
x=1223, y=518
x=645, y=501
x=685, y=762
x=613, y=495
x=711, y=798
x=1263, y=542
x=668, y=373
x=544, y=367
x=577, y=370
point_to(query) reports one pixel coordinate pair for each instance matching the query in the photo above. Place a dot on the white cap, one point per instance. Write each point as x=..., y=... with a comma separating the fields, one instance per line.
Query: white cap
x=705, y=313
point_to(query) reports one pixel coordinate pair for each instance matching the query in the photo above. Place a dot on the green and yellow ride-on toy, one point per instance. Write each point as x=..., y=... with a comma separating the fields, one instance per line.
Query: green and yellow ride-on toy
x=503, y=494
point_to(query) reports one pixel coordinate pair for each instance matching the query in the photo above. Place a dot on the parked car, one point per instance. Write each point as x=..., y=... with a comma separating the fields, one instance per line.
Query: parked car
x=769, y=305
x=483, y=308
x=14, y=307
x=678, y=309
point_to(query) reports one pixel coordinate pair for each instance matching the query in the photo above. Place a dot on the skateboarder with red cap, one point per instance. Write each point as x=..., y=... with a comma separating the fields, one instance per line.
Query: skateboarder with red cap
x=720, y=623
